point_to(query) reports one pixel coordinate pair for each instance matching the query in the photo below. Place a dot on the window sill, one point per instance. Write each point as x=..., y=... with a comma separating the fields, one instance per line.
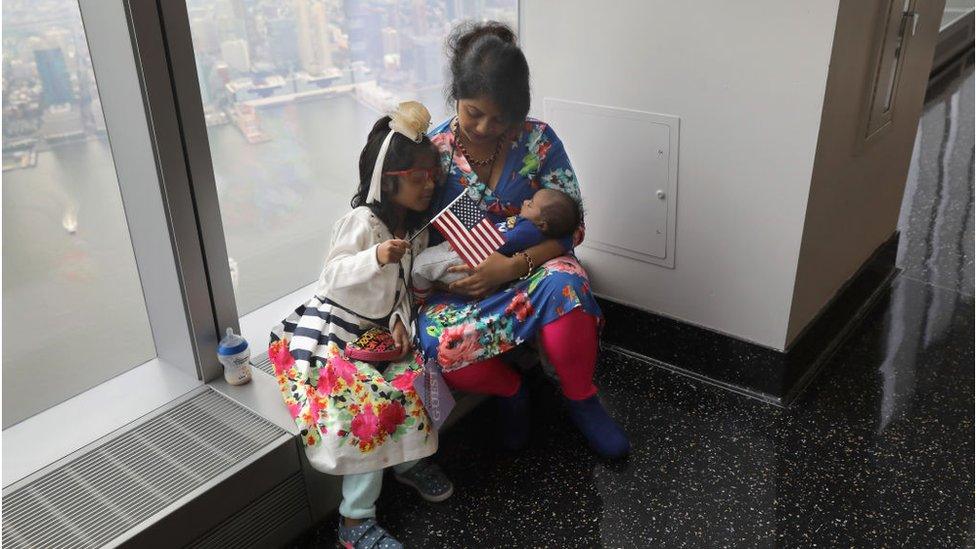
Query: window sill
x=262, y=395
x=57, y=432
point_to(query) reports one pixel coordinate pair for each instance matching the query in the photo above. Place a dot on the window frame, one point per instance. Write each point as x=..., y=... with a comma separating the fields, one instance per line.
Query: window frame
x=185, y=174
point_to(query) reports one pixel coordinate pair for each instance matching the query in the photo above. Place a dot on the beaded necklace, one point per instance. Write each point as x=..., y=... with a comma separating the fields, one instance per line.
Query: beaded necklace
x=490, y=161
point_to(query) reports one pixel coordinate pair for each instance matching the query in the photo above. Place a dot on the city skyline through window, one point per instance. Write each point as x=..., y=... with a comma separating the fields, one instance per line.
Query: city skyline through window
x=290, y=91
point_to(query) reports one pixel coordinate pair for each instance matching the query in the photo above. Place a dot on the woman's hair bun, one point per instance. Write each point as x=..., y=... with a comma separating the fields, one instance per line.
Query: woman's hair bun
x=486, y=61
x=467, y=33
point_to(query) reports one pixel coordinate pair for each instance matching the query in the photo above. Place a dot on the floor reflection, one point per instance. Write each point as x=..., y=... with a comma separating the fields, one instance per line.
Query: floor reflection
x=936, y=220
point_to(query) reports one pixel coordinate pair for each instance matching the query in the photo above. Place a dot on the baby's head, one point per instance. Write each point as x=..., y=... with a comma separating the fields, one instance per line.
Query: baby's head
x=555, y=213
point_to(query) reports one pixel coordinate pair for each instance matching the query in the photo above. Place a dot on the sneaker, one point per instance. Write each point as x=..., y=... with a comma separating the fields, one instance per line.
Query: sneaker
x=428, y=480
x=602, y=433
x=368, y=535
x=513, y=419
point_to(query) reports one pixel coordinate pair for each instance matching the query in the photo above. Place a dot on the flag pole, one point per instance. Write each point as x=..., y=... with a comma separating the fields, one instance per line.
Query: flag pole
x=463, y=191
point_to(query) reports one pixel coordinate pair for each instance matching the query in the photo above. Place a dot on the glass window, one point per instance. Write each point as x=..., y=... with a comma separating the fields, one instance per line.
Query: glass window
x=73, y=309
x=290, y=90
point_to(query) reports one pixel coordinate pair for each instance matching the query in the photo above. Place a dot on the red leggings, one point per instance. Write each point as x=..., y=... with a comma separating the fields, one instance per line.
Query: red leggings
x=569, y=342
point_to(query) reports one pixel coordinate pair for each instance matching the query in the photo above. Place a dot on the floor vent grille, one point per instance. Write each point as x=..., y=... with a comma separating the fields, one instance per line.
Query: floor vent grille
x=263, y=363
x=104, y=492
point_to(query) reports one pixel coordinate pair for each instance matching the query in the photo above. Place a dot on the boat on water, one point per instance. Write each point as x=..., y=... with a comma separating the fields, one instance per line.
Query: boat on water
x=70, y=220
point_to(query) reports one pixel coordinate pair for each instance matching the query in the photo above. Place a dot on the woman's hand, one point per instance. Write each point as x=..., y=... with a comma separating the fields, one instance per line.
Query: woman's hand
x=391, y=251
x=402, y=338
x=485, y=278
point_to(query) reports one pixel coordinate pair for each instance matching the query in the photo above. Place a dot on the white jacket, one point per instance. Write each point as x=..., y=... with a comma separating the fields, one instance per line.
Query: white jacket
x=353, y=277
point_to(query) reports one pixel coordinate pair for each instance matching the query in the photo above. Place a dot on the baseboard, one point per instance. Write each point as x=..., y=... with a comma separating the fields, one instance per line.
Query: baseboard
x=765, y=374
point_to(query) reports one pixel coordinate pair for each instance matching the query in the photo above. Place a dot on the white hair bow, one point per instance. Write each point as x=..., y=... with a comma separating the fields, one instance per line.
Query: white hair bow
x=411, y=119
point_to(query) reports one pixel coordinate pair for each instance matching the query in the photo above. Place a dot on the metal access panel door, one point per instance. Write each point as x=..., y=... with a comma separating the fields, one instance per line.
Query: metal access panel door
x=627, y=165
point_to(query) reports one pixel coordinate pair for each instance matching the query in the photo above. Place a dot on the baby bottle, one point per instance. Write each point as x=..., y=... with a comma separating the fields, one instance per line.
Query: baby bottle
x=234, y=354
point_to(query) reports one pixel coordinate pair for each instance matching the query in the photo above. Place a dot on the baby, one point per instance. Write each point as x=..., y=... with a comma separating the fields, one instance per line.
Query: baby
x=550, y=213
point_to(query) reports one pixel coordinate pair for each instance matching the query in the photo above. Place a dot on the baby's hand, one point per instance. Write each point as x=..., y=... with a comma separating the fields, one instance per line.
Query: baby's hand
x=462, y=268
x=391, y=251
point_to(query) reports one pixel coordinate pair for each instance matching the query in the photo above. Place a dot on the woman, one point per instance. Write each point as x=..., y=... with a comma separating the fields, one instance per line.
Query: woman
x=500, y=158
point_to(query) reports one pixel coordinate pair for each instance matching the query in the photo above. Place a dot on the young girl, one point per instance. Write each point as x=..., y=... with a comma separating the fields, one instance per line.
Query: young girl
x=354, y=419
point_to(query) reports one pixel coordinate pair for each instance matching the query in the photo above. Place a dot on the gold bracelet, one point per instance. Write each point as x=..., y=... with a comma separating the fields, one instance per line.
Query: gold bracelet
x=529, y=264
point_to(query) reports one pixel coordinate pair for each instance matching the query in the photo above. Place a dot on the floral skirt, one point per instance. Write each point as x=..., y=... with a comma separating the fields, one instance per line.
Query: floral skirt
x=352, y=417
x=457, y=332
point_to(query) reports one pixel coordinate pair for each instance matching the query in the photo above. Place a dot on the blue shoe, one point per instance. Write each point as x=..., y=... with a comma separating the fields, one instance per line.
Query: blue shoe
x=427, y=478
x=367, y=535
x=601, y=431
x=513, y=419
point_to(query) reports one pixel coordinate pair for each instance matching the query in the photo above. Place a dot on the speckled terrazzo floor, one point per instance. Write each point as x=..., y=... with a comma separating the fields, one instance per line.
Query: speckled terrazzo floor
x=877, y=452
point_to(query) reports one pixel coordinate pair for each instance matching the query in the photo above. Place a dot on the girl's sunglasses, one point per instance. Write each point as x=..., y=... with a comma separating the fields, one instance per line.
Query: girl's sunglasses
x=419, y=176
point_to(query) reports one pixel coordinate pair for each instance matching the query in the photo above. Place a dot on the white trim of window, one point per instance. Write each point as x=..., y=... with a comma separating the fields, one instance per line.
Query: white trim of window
x=148, y=144
x=188, y=106
x=139, y=181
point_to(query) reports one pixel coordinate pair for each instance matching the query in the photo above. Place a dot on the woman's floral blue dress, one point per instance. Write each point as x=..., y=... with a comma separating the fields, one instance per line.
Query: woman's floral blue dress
x=456, y=331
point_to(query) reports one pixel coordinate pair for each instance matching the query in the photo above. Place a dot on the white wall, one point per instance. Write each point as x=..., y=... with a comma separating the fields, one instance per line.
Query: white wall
x=747, y=80
x=856, y=191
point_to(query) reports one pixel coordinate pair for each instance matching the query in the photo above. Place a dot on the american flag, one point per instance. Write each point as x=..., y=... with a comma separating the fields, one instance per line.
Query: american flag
x=465, y=226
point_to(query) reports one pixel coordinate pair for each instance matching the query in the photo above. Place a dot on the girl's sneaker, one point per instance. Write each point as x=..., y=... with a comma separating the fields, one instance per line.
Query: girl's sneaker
x=368, y=535
x=428, y=479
